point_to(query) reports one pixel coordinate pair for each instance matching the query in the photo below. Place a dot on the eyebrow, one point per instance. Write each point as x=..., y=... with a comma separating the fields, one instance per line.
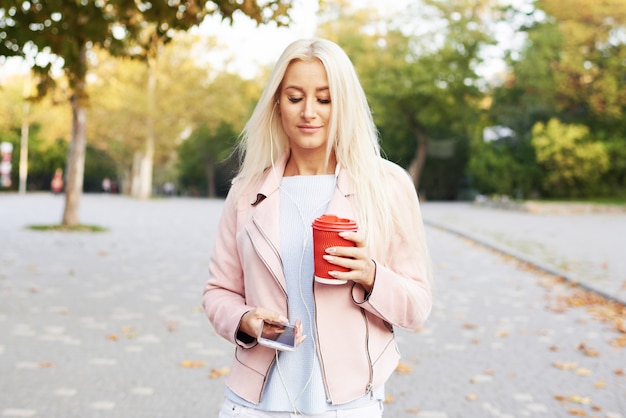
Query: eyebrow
x=302, y=90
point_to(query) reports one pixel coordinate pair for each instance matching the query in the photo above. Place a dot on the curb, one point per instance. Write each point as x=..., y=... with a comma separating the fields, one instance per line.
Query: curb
x=525, y=259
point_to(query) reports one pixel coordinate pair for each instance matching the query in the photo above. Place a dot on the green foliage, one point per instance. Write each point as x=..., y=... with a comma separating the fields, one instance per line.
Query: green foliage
x=571, y=68
x=200, y=156
x=98, y=165
x=573, y=163
x=496, y=170
x=43, y=160
x=67, y=228
x=422, y=87
x=65, y=28
x=615, y=178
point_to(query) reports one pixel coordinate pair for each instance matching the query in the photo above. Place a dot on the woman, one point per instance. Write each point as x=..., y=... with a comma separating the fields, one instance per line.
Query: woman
x=310, y=148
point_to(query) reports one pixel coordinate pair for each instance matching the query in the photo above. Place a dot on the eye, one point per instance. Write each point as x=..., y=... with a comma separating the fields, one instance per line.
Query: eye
x=295, y=99
x=324, y=101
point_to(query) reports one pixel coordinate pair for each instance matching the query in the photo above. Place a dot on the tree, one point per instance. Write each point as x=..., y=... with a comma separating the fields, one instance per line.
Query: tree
x=421, y=86
x=63, y=32
x=573, y=162
x=200, y=154
x=570, y=68
x=191, y=93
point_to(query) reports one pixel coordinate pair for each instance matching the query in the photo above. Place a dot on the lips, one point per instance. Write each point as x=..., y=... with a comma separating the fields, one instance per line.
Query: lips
x=308, y=129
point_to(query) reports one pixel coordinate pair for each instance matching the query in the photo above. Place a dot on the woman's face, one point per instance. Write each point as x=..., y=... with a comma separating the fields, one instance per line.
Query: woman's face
x=305, y=106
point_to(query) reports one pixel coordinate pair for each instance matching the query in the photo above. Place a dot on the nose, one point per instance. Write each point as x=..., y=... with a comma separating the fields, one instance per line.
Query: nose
x=308, y=112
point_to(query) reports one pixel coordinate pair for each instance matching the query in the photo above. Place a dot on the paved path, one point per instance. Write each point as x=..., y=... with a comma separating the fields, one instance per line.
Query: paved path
x=109, y=324
x=589, y=248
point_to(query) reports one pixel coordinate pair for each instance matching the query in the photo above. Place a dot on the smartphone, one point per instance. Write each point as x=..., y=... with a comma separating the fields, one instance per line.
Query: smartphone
x=285, y=341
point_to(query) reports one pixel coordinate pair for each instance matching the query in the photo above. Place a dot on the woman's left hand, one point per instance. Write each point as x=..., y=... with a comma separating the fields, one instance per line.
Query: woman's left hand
x=357, y=259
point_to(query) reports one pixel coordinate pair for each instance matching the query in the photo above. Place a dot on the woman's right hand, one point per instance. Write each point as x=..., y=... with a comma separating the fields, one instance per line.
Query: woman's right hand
x=272, y=323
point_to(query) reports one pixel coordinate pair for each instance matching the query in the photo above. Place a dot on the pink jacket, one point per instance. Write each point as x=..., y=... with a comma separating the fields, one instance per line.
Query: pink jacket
x=355, y=336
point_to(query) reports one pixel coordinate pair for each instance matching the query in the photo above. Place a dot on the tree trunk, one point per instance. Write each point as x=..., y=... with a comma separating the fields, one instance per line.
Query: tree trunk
x=75, y=166
x=209, y=167
x=147, y=158
x=135, y=175
x=24, y=137
x=419, y=160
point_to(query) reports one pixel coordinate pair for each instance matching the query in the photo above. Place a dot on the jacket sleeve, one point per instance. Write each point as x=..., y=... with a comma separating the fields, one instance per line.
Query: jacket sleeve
x=402, y=293
x=223, y=299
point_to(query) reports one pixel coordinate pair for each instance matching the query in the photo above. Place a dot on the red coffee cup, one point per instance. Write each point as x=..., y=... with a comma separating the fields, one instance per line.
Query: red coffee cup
x=326, y=231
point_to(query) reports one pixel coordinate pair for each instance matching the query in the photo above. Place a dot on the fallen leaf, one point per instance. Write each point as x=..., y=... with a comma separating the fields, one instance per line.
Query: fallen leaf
x=588, y=351
x=389, y=399
x=553, y=348
x=618, y=372
x=619, y=341
x=600, y=384
x=192, y=364
x=577, y=412
x=583, y=400
x=564, y=365
x=403, y=368
x=583, y=372
x=215, y=373
x=471, y=397
x=112, y=337
x=46, y=364
x=561, y=398
x=129, y=332
x=413, y=411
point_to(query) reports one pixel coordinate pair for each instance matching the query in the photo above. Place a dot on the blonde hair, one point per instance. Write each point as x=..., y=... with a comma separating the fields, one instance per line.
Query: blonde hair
x=352, y=136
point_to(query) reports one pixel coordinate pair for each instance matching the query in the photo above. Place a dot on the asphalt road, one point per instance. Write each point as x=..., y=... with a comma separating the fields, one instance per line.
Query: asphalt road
x=110, y=324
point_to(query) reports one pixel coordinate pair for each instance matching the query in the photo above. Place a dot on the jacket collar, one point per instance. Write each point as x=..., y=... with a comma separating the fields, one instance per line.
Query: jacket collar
x=275, y=173
x=271, y=183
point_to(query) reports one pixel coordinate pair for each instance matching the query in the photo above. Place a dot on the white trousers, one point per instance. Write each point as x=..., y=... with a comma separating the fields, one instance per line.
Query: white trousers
x=232, y=410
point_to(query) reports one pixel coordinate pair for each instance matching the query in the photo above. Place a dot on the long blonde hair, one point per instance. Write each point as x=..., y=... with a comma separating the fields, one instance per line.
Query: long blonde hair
x=353, y=136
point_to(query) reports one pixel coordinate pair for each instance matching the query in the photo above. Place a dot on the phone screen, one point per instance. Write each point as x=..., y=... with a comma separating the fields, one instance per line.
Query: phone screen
x=285, y=341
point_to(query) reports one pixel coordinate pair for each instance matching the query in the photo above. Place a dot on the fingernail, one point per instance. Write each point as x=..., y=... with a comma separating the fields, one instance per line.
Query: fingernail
x=327, y=257
x=331, y=250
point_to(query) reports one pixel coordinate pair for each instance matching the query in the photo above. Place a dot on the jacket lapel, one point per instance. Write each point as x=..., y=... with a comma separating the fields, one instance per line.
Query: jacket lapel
x=264, y=230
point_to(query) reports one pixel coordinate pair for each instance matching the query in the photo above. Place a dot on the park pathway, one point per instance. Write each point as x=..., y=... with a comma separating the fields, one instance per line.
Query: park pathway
x=110, y=324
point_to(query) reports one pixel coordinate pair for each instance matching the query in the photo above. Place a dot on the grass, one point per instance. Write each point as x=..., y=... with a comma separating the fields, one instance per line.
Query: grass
x=618, y=201
x=67, y=228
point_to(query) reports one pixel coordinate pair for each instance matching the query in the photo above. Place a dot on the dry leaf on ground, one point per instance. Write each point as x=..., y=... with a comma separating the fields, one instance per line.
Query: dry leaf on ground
x=192, y=364
x=215, y=373
x=403, y=368
x=588, y=351
x=565, y=365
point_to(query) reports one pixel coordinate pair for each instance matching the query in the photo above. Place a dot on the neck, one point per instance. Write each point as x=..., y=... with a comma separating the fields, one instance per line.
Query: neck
x=298, y=166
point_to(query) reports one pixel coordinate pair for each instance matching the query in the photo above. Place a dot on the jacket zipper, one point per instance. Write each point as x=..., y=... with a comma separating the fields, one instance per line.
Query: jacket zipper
x=369, y=386
x=267, y=375
x=263, y=258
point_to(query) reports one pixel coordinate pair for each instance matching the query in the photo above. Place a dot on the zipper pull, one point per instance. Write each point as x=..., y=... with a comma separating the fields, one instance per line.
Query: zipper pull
x=368, y=389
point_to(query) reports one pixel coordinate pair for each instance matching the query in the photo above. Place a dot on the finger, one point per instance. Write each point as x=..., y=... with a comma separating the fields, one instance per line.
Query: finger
x=357, y=237
x=348, y=263
x=299, y=337
x=349, y=252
